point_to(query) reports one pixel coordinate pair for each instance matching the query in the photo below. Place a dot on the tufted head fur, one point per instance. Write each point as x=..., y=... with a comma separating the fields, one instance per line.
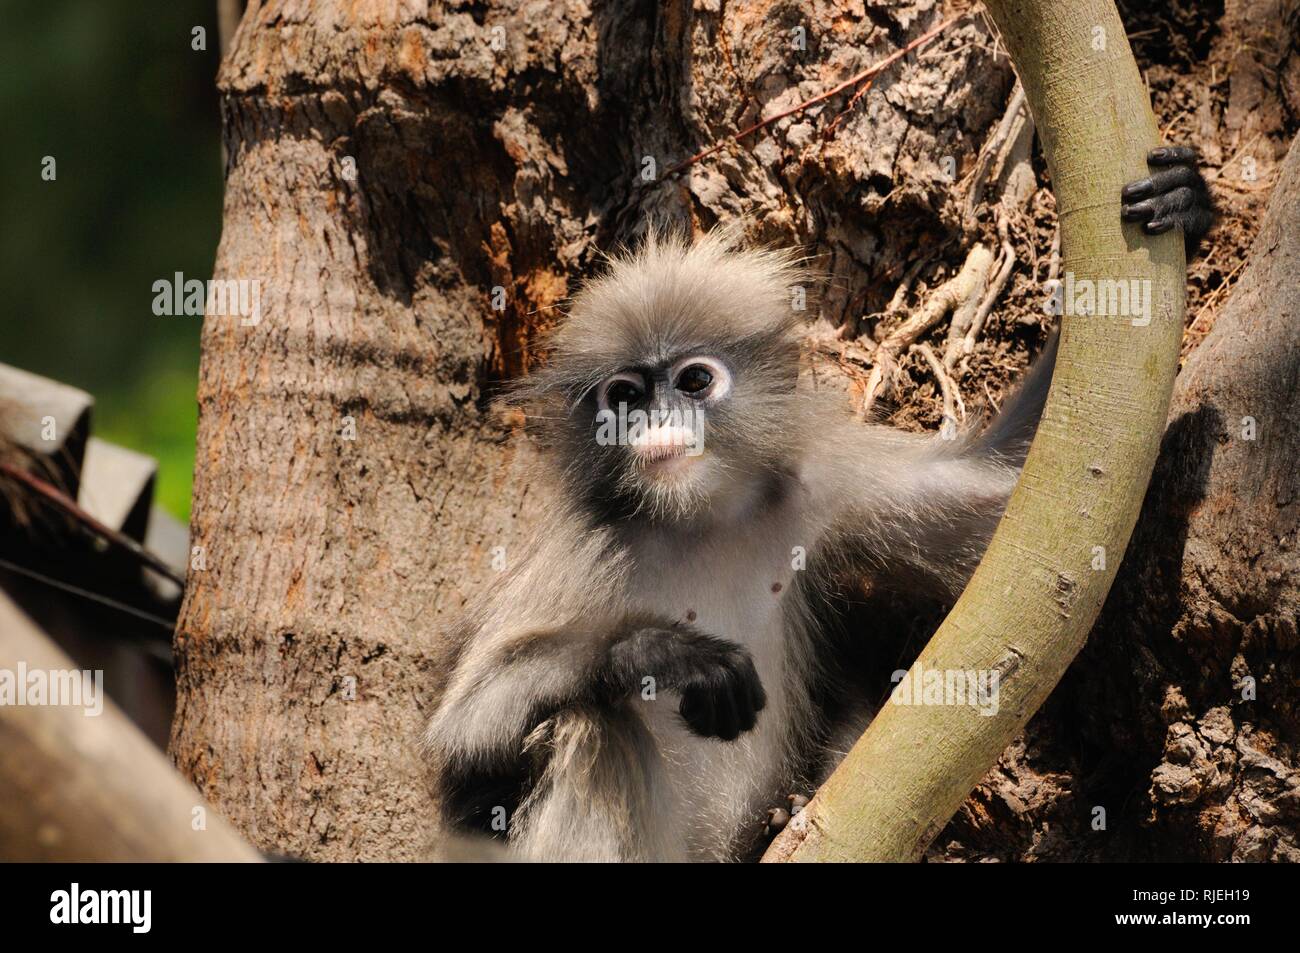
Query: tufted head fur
x=663, y=307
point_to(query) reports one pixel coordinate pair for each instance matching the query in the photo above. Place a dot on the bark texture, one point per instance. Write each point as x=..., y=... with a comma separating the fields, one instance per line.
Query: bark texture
x=389, y=165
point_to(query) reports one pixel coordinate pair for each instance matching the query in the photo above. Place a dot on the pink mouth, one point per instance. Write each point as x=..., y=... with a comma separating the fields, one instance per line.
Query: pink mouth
x=663, y=461
x=665, y=449
x=660, y=453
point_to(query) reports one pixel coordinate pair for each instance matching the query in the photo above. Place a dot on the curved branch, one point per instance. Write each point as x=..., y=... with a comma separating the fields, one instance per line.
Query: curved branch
x=1034, y=597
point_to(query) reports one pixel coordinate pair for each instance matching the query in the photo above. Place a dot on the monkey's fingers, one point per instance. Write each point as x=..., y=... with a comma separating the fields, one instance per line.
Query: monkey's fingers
x=1183, y=207
x=1172, y=155
x=1173, y=196
x=1170, y=213
x=1162, y=181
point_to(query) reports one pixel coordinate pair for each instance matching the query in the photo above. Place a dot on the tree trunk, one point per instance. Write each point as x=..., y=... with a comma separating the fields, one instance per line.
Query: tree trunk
x=391, y=175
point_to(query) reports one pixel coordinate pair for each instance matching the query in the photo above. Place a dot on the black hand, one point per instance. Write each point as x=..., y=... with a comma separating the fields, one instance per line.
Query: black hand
x=720, y=689
x=1174, y=195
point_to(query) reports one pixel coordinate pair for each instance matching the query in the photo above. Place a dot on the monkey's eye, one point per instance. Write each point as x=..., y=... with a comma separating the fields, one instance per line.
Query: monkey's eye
x=694, y=379
x=625, y=388
x=701, y=377
x=623, y=392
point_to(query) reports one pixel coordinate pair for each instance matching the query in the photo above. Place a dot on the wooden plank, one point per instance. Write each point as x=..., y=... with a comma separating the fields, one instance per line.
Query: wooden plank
x=90, y=787
x=117, y=487
x=49, y=419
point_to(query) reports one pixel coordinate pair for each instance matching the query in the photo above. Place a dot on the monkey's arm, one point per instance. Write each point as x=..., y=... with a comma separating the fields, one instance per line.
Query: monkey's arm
x=919, y=511
x=551, y=635
x=505, y=685
x=914, y=516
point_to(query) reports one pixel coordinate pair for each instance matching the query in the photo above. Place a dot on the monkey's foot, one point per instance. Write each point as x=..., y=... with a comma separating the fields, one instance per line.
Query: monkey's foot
x=1174, y=195
x=779, y=817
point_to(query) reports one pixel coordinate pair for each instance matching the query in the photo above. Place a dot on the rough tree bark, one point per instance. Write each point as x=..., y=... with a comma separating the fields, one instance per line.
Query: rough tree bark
x=1225, y=672
x=1218, y=586
x=388, y=167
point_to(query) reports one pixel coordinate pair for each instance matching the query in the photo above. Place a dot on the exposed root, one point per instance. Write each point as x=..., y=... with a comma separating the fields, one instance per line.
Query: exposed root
x=964, y=289
x=970, y=297
x=964, y=316
x=1006, y=262
x=1007, y=132
x=862, y=80
x=952, y=402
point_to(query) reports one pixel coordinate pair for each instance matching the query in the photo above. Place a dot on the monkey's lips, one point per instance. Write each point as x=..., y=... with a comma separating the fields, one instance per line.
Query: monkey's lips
x=665, y=449
x=664, y=458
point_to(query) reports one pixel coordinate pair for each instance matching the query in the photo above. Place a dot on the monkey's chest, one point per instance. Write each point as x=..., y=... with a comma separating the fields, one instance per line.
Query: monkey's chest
x=723, y=786
x=742, y=603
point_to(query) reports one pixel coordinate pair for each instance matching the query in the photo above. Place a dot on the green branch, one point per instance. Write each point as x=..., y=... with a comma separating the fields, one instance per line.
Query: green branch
x=1035, y=596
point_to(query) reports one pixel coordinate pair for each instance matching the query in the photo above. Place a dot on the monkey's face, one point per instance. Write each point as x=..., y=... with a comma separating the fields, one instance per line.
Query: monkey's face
x=699, y=429
x=670, y=392
x=656, y=413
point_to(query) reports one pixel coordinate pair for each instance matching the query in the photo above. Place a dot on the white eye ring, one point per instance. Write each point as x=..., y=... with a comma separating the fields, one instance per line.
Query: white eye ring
x=719, y=388
x=602, y=393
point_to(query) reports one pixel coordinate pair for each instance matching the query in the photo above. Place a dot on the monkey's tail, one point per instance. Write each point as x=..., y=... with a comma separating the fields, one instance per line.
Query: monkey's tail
x=603, y=794
x=1008, y=437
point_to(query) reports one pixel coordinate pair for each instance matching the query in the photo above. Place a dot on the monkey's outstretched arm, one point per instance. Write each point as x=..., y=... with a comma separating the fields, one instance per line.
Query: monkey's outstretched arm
x=949, y=502
x=926, y=525
x=918, y=511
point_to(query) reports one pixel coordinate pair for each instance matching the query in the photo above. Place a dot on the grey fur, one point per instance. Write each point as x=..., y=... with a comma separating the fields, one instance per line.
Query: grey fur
x=537, y=716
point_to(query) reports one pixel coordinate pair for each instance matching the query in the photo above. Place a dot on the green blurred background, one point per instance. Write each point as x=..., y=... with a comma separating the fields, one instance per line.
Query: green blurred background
x=114, y=91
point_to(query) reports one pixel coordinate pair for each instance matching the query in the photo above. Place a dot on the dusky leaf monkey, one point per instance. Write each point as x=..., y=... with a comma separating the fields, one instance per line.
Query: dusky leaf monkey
x=654, y=671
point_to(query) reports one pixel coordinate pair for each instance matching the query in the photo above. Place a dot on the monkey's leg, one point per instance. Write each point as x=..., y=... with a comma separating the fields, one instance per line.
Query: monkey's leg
x=1175, y=195
x=603, y=794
